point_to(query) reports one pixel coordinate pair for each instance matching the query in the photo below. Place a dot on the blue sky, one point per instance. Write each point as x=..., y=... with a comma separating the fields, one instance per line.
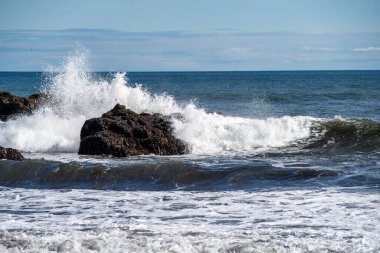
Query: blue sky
x=149, y=35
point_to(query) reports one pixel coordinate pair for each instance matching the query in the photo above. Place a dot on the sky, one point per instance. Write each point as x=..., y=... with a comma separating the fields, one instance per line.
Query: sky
x=151, y=35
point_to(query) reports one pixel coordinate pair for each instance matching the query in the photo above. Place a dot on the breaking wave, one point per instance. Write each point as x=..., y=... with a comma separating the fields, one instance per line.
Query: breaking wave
x=75, y=94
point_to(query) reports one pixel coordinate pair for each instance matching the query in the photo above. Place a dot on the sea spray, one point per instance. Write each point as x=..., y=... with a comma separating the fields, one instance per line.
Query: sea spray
x=75, y=91
x=75, y=94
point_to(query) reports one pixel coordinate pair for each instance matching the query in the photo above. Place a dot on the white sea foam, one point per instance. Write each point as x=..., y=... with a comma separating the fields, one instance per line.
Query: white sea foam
x=329, y=220
x=77, y=95
x=212, y=133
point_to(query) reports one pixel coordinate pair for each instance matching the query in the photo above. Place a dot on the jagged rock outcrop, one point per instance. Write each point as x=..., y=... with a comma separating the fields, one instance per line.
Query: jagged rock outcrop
x=122, y=132
x=10, y=154
x=11, y=105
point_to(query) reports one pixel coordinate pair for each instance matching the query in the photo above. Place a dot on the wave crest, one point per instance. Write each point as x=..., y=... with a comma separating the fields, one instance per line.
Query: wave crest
x=355, y=134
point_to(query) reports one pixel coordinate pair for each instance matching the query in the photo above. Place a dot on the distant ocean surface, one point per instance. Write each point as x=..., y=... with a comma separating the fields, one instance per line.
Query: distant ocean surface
x=280, y=161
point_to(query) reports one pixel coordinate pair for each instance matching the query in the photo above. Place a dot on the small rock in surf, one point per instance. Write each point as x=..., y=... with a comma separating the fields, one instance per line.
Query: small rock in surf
x=10, y=154
x=11, y=105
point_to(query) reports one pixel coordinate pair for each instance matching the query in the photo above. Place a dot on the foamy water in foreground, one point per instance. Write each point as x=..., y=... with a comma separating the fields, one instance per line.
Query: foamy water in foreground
x=324, y=220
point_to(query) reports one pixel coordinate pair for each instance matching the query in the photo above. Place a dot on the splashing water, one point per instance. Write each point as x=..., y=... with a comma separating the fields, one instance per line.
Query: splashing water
x=76, y=95
x=213, y=133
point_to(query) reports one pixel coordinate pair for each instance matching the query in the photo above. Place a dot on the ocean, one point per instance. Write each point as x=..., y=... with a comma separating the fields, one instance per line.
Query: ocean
x=280, y=161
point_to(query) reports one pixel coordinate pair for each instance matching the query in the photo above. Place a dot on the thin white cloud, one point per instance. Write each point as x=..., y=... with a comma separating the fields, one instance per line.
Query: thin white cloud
x=321, y=49
x=368, y=49
x=237, y=53
x=181, y=50
x=238, y=50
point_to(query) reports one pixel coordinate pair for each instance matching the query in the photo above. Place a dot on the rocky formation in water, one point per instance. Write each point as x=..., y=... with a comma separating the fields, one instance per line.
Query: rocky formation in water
x=122, y=132
x=11, y=105
x=10, y=154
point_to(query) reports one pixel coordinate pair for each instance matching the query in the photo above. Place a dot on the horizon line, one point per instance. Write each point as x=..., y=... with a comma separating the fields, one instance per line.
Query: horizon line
x=178, y=71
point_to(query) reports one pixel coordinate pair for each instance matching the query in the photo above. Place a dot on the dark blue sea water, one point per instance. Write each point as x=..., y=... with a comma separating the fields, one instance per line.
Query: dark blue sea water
x=259, y=94
x=280, y=161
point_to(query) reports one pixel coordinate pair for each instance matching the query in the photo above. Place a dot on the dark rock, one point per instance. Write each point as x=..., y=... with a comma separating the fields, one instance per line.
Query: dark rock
x=10, y=154
x=122, y=132
x=11, y=105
